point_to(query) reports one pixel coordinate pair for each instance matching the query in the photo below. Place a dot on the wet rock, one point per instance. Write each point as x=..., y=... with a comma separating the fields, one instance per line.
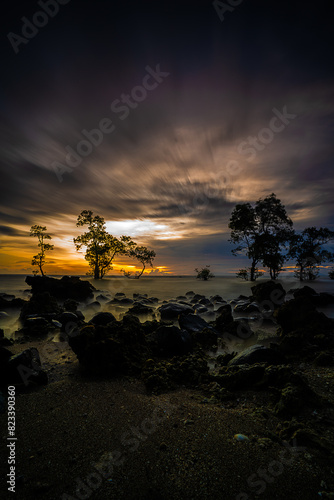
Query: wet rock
x=120, y=347
x=71, y=305
x=269, y=291
x=68, y=287
x=239, y=377
x=190, y=294
x=201, y=309
x=102, y=298
x=41, y=304
x=193, y=323
x=3, y=315
x=24, y=367
x=300, y=314
x=258, y=354
x=139, y=309
x=225, y=317
x=12, y=304
x=216, y=298
x=125, y=301
x=102, y=318
x=172, y=310
x=171, y=341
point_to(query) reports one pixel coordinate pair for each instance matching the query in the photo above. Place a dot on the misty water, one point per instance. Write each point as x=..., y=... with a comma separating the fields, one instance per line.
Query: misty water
x=163, y=288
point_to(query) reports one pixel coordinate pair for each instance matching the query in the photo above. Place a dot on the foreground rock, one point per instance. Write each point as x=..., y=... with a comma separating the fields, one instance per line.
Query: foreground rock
x=172, y=310
x=258, y=354
x=68, y=287
x=24, y=368
x=269, y=294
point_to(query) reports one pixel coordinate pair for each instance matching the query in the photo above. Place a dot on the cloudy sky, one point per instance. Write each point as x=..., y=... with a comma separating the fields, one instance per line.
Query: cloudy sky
x=160, y=117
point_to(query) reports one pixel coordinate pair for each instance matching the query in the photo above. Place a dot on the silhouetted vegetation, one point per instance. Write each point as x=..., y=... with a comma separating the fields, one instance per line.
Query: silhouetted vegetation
x=307, y=249
x=262, y=233
x=245, y=274
x=101, y=247
x=39, y=259
x=204, y=274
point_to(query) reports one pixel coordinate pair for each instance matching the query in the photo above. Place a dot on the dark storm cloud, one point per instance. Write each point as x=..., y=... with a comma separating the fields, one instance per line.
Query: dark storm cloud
x=168, y=159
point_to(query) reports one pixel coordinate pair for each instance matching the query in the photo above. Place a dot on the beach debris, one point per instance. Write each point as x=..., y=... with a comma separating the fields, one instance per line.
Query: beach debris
x=241, y=437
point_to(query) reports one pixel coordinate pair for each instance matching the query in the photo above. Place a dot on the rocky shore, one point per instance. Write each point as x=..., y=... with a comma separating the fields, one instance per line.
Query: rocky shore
x=189, y=398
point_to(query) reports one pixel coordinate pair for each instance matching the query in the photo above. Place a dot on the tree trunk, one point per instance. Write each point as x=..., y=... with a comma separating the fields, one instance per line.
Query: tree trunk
x=252, y=275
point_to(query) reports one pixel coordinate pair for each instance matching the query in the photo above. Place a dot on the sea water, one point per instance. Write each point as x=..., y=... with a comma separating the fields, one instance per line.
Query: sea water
x=163, y=288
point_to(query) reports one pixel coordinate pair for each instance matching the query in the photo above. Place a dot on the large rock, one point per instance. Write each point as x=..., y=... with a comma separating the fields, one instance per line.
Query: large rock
x=172, y=310
x=118, y=347
x=13, y=303
x=68, y=287
x=41, y=304
x=258, y=354
x=301, y=314
x=102, y=318
x=202, y=332
x=24, y=367
x=269, y=292
x=318, y=299
x=172, y=341
x=225, y=318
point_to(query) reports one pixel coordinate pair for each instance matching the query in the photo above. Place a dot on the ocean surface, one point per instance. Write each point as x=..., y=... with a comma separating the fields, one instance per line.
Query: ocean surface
x=163, y=288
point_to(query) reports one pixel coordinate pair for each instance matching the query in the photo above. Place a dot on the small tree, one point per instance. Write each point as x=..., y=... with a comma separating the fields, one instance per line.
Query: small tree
x=204, y=274
x=307, y=249
x=331, y=274
x=143, y=254
x=101, y=247
x=39, y=259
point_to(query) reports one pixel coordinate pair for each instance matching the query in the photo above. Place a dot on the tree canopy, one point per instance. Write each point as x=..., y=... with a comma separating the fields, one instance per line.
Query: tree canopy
x=261, y=232
x=307, y=249
x=101, y=247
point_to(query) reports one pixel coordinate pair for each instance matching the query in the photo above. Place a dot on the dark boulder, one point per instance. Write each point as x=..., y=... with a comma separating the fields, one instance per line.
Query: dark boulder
x=12, y=304
x=102, y=318
x=225, y=317
x=71, y=305
x=139, y=309
x=24, y=367
x=301, y=314
x=40, y=304
x=171, y=341
x=172, y=310
x=68, y=287
x=193, y=323
x=258, y=354
x=269, y=292
x=69, y=320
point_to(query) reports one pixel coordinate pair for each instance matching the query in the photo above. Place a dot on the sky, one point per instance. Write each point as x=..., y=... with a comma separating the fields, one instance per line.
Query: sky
x=161, y=117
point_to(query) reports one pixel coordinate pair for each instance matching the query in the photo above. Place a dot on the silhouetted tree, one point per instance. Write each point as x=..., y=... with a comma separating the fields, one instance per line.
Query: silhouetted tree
x=306, y=248
x=331, y=274
x=143, y=254
x=39, y=259
x=101, y=247
x=261, y=232
x=204, y=273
